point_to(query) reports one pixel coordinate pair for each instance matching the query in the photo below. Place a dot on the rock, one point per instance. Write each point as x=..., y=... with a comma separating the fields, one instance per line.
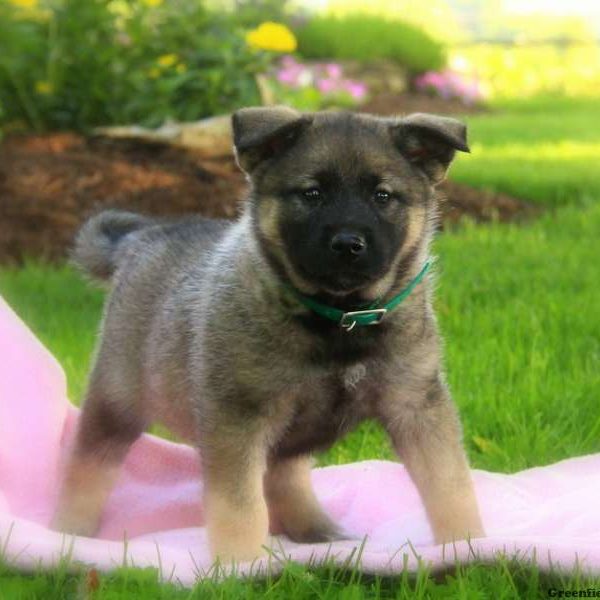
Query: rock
x=208, y=137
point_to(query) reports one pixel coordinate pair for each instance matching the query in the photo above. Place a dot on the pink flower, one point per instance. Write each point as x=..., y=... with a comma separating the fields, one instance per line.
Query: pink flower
x=327, y=78
x=431, y=78
x=449, y=84
x=294, y=75
x=333, y=70
x=327, y=86
x=356, y=89
x=288, y=76
x=288, y=61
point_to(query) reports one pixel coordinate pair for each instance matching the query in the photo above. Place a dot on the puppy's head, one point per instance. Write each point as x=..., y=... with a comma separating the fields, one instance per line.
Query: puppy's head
x=339, y=200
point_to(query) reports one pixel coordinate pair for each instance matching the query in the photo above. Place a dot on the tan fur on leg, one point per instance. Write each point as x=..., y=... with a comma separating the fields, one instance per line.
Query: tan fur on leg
x=429, y=443
x=293, y=504
x=445, y=486
x=236, y=512
x=237, y=531
x=87, y=484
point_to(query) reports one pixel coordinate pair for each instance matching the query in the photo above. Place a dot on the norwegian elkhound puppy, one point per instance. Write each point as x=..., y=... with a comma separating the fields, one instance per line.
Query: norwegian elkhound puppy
x=264, y=340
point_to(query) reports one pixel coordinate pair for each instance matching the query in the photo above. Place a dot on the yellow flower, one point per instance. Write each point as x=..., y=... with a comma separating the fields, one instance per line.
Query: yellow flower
x=152, y=3
x=25, y=3
x=272, y=36
x=44, y=88
x=167, y=60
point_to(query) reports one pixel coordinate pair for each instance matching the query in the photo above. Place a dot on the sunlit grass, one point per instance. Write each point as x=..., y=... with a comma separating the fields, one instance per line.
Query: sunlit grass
x=545, y=150
x=564, y=150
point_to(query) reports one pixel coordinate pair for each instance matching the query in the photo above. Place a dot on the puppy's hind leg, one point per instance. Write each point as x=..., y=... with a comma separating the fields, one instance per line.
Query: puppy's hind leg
x=293, y=504
x=107, y=428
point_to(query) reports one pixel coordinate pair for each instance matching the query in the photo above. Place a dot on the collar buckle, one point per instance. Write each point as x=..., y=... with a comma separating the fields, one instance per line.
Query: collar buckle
x=350, y=319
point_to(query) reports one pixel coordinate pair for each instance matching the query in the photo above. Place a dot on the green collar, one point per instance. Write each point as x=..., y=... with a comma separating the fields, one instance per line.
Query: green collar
x=371, y=315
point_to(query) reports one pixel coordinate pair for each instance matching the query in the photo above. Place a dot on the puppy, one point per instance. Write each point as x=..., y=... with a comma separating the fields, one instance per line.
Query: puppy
x=267, y=339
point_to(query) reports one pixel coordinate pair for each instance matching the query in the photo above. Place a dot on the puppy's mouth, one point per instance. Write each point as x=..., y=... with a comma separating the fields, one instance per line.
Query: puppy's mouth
x=341, y=282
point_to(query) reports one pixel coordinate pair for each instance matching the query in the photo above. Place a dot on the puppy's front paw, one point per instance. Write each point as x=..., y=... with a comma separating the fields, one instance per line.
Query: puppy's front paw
x=237, y=551
x=457, y=532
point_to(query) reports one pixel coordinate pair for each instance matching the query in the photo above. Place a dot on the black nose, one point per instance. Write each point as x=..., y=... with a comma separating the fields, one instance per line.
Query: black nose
x=348, y=244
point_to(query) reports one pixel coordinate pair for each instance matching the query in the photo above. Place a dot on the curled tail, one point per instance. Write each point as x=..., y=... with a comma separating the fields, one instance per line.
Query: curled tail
x=102, y=238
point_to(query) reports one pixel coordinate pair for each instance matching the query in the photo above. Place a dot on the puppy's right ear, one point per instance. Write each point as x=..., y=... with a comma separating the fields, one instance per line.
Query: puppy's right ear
x=265, y=132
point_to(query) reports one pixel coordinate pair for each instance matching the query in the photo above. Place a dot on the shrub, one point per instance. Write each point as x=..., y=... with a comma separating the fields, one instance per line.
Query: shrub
x=365, y=38
x=251, y=13
x=77, y=64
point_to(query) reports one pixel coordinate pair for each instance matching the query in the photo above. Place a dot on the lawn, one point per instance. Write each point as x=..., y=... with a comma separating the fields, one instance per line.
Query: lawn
x=518, y=306
x=542, y=150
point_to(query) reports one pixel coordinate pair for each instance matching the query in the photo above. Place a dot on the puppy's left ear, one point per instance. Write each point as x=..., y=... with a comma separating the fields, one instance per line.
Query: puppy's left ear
x=430, y=142
x=261, y=133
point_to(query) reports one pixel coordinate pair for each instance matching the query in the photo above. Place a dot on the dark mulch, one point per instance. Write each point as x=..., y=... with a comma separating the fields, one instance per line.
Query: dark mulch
x=49, y=184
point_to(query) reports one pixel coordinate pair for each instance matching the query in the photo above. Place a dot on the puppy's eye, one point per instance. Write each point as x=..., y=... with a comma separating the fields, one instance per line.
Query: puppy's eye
x=312, y=194
x=382, y=197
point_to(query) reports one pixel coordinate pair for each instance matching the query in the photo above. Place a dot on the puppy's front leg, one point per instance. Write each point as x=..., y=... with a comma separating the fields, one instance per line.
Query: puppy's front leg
x=427, y=438
x=236, y=512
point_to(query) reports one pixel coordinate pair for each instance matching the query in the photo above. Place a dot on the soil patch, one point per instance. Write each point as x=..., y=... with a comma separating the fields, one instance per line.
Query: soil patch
x=461, y=201
x=50, y=184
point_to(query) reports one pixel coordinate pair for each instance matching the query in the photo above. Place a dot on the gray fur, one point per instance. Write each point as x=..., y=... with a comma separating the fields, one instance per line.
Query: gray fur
x=201, y=334
x=100, y=240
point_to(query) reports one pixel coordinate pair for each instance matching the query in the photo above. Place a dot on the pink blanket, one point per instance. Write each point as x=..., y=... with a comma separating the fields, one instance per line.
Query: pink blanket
x=551, y=513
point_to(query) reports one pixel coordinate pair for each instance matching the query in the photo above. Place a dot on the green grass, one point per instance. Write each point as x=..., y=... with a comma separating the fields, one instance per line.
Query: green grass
x=518, y=307
x=507, y=579
x=64, y=311
x=541, y=150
